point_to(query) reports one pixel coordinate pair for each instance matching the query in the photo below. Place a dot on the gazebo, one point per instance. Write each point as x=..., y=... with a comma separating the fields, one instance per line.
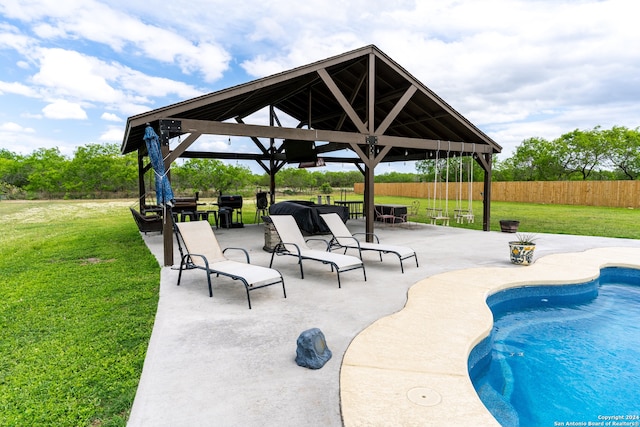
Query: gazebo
x=359, y=107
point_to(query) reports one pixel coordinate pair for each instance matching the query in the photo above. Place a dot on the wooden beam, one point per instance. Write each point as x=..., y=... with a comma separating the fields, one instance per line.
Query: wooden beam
x=373, y=160
x=396, y=110
x=431, y=144
x=371, y=94
x=142, y=191
x=255, y=140
x=369, y=201
x=361, y=154
x=249, y=130
x=380, y=156
x=261, y=131
x=182, y=147
x=486, y=196
x=483, y=163
x=167, y=232
x=352, y=99
x=333, y=88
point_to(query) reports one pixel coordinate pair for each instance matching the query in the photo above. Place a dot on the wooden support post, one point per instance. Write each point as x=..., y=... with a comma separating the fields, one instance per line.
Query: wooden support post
x=486, y=199
x=167, y=228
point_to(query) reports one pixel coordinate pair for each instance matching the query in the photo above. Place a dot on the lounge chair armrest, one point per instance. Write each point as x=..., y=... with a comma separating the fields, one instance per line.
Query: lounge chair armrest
x=283, y=246
x=246, y=254
x=204, y=258
x=375, y=236
x=326, y=242
x=355, y=240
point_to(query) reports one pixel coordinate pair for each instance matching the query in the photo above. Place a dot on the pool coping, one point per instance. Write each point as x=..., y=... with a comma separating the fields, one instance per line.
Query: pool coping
x=411, y=367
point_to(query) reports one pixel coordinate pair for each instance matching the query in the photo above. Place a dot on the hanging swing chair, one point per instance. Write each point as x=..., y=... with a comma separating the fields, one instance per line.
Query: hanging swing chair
x=436, y=212
x=461, y=213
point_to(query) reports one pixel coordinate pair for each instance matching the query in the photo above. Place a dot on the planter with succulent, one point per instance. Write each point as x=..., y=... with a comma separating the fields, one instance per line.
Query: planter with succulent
x=521, y=249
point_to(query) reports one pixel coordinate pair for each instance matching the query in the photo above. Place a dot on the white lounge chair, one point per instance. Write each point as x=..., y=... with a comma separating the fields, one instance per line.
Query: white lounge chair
x=202, y=251
x=343, y=238
x=293, y=243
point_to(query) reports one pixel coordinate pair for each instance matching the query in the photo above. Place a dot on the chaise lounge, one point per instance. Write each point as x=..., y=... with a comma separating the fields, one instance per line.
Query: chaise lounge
x=203, y=252
x=342, y=238
x=293, y=243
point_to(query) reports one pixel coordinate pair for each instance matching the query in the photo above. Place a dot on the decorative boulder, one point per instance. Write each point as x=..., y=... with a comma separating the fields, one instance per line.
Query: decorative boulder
x=312, y=351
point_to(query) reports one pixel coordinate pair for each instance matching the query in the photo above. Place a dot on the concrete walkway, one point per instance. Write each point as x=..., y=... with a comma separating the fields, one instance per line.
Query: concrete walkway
x=212, y=361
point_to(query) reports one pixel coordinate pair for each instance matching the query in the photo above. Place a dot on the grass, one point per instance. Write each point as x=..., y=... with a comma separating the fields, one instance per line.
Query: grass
x=77, y=303
x=538, y=218
x=79, y=293
x=534, y=218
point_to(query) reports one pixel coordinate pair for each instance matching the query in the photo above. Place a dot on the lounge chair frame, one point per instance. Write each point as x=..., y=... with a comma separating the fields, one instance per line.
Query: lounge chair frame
x=343, y=238
x=296, y=249
x=187, y=262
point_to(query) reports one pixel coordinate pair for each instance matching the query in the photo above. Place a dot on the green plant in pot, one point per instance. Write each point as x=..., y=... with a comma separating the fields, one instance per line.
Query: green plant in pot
x=521, y=249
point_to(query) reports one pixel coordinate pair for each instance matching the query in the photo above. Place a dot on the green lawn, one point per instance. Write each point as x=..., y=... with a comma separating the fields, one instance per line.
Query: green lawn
x=77, y=303
x=537, y=218
x=79, y=291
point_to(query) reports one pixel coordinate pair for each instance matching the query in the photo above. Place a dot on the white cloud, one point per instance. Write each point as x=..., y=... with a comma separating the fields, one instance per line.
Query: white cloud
x=110, y=117
x=10, y=38
x=97, y=22
x=515, y=68
x=213, y=143
x=31, y=116
x=74, y=75
x=17, y=88
x=64, y=110
x=15, y=127
x=112, y=134
x=87, y=80
x=145, y=86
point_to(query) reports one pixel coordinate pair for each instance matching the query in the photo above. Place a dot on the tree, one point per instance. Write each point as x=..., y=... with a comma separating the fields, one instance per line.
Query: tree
x=427, y=170
x=396, y=177
x=210, y=174
x=194, y=174
x=46, y=170
x=535, y=159
x=294, y=178
x=232, y=176
x=581, y=152
x=339, y=179
x=624, y=151
x=12, y=169
x=97, y=167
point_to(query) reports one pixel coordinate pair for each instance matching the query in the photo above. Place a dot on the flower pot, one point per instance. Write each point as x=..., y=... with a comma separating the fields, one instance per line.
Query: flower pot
x=509, y=225
x=521, y=254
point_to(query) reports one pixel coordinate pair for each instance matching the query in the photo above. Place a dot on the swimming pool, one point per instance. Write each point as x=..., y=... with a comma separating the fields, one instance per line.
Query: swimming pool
x=563, y=355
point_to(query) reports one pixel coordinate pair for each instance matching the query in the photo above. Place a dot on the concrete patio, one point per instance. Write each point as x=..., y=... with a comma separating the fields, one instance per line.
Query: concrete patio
x=212, y=361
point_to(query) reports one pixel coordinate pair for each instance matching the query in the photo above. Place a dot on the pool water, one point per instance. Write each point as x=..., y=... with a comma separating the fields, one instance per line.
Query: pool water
x=564, y=357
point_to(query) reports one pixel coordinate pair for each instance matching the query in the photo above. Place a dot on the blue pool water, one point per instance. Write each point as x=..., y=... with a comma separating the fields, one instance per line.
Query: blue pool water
x=563, y=355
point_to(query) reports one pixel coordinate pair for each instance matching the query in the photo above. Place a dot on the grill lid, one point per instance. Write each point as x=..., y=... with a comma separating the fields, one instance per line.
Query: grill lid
x=226, y=201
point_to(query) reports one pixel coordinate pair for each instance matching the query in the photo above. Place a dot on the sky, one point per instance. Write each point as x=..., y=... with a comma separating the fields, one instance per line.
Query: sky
x=73, y=71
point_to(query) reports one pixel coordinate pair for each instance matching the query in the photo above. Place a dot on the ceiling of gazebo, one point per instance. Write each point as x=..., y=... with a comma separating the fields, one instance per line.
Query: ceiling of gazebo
x=336, y=104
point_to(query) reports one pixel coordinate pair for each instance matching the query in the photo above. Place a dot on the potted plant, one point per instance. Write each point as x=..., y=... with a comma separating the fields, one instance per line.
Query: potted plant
x=521, y=249
x=509, y=225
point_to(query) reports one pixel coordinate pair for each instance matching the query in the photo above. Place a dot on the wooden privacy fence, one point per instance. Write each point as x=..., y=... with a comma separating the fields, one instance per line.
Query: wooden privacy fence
x=624, y=194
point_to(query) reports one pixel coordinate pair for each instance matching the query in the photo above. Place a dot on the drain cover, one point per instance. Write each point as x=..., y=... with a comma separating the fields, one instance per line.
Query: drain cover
x=424, y=396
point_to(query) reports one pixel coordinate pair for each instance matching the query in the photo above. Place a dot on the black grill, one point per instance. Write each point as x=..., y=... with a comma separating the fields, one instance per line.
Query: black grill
x=261, y=200
x=233, y=202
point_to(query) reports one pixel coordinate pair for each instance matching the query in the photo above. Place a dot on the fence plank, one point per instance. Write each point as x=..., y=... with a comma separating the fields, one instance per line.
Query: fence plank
x=623, y=194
